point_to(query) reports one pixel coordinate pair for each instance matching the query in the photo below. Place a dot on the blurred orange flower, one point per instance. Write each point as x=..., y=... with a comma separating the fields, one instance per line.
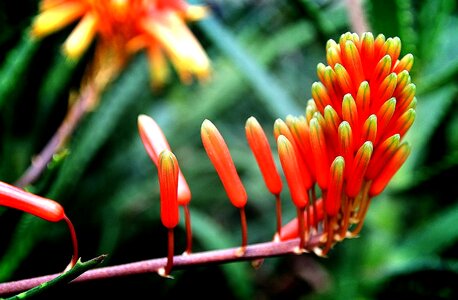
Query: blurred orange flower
x=122, y=28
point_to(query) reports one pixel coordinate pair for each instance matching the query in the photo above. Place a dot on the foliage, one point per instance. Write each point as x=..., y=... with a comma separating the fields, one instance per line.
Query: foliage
x=264, y=56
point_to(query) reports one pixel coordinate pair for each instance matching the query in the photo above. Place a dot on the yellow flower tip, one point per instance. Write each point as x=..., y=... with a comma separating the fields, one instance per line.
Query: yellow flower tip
x=390, y=169
x=369, y=132
x=320, y=69
x=81, y=37
x=386, y=89
x=332, y=119
x=382, y=154
x=331, y=44
x=382, y=69
x=352, y=61
x=405, y=97
x=196, y=12
x=344, y=133
x=343, y=78
x=384, y=116
x=55, y=18
x=405, y=63
x=333, y=55
x=219, y=155
x=392, y=47
x=349, y=110
x=320, y=96
x=336, y=179
x=358, y=169
x=405, y=121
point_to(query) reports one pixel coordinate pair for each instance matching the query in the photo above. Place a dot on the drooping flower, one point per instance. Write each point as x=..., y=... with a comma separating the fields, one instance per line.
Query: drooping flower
x=353, y=128
x=122, y=28
x=47, y=209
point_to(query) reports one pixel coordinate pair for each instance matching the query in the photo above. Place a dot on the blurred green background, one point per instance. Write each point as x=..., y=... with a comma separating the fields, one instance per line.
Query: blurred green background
x=264, y=56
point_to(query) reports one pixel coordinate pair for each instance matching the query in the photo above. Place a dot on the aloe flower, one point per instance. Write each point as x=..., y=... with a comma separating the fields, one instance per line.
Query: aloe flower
x=124, y=27
x=220, y=157
x=155, y=143
x=47, y=209
x=168, y=183
x=353, y=129
x=259, y=145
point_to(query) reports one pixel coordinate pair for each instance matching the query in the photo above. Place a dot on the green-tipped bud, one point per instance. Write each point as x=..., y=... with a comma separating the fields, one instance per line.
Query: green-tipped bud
x=358, y=169
x=369, y=132
x=334, y=194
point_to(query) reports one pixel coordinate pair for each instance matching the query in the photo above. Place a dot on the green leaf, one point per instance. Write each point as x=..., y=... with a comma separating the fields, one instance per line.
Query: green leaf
x=15, y=65
x=434, y=235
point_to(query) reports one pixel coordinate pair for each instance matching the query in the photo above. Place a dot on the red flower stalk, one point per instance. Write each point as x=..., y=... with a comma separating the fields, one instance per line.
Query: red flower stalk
x=220, y=157
x=168, y=182
x=361, y=108
x=257, y=140
x=44, y=208
x=155, y=142
x=312, y=216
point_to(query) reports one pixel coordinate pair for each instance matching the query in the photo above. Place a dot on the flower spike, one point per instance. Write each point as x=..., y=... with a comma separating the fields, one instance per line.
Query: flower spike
x=361, y=107
x=44, y=208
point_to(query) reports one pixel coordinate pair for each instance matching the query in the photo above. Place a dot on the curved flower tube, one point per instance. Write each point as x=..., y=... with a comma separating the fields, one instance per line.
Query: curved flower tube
x=49, y=210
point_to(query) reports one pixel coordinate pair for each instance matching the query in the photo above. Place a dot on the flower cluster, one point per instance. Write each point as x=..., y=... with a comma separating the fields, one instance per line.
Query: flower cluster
x=335, y=158
x=124, y=27
x=348, y=144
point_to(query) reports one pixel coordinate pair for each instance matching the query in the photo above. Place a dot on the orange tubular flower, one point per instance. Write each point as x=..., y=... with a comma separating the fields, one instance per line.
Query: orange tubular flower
x=126, y=26
x=221, y=159
x=46, y=209
x=360, y=110
x=219, y=155
x=155, y=142
x=260, y=147
x=299, y=195
x=259, y=144
x=168, y=182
